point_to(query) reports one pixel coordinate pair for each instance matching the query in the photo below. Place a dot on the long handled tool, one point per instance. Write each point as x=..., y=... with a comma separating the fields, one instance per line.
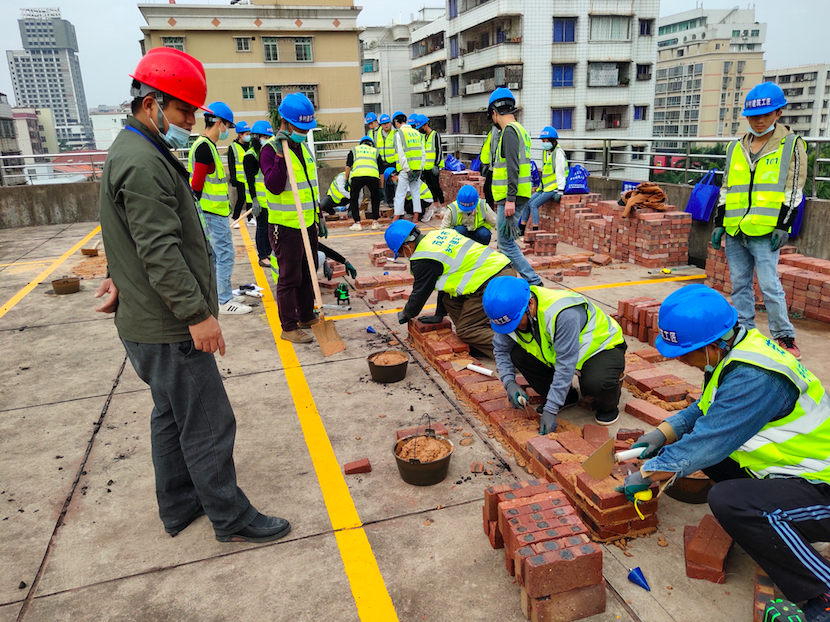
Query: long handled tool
x=325, y=331
x=91, y=251
x=241, y=218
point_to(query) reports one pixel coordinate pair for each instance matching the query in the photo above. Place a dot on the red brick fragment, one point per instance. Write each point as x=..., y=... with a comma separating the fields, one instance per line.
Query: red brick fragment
x=542, y=448
x=358, y=466
x=696, y=571
x=576, y=604
x=595, y=434
x=574, y=443
x=625, y=434
x=710, y=544
x=646, y=412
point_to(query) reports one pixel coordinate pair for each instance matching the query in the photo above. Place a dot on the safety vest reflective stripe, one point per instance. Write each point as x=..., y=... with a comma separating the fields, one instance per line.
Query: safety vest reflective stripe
x=757, y=214
x=426, y=194
x=549, y=183
x=467, y=264
x=259, y=182
x=334, y=191
x=794, y=445
x=387, y=146
x=480, y=213
x=281, y=209
x=365, y=162
x=523, y=186
x=215, y=190
x=413, y=145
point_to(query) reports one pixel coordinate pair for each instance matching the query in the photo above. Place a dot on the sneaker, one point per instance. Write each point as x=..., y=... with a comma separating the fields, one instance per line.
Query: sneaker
x=296, y=336
x=429, y=215
x=234, y=308
x=376, y=225
x=262, y=529
x=607, y=418
x=356, y=227
x=240, y=299
x=817, y=609
x=235, y=225
x=788, y=343
x=251, y=222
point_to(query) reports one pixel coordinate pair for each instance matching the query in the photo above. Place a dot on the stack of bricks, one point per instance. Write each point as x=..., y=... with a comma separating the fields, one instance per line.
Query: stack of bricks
x=540, y=243
x=379, y=294
x=806, y=281
x=451, y=182
x=706, y=547
x=657, y=394
x=379, y=254
x=547, y=548
x=638, y=318
x=386, y=280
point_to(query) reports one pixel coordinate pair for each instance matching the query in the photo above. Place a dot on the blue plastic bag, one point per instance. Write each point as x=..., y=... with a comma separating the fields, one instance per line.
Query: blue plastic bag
x=577, y=180
x=451, y=163
x=799, y=218
x=535, y=177
x=475, y=165
x=704, y=197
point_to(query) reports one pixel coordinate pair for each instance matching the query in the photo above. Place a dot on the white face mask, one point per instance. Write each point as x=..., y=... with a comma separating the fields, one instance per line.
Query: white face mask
x=764, y=133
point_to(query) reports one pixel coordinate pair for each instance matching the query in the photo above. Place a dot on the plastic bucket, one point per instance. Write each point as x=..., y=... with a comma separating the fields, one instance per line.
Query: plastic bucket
x=418, y=473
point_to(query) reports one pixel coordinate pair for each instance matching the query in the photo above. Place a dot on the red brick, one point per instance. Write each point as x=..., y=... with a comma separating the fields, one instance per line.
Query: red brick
x=637, y=365
x=574, y=443
x=568, y=606
x=439, y=428
x=764, y=592
x=491, y=500
x=496, y=540
x=643, y=374
x=549, y=540
x=650, y=354
x=496, y=417
x=556, y=572
x=646, y=412
x=358, y=466
x=366, y=282
x=673, y=393
x=624, y=434
x=419, y=327
x=494, y=405
x=622, y=514
x=696, y=571
x=556, y=497
x=601, y=492
x=566, y=476
x=542, y=448
x=595, y=434
x=649, y=384
x=438, y=348
x=710, y=544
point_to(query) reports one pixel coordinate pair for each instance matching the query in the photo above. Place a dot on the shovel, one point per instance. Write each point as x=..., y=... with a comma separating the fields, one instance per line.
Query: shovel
x=91, y=251
x=600, y=463
x=325, y=331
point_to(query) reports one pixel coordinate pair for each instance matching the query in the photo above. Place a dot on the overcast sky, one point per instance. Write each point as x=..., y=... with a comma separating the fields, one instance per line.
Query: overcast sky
x=108, y=34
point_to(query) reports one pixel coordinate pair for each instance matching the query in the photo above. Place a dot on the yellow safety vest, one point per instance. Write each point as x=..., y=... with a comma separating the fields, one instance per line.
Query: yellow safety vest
x=259, y=183
x=468, y=265
x=797, y=445
x=754, y=198
x=334, y=191
x=549, y=170
x=364, y=162
x=523, y=188
x=599, y=334
x=480, y=213
x=430, y=150
x=238, y=156
x=486, y=155
x=413, y=146
x=281, y=210
x=426, y=194
x=215, y=191
x=387, y=146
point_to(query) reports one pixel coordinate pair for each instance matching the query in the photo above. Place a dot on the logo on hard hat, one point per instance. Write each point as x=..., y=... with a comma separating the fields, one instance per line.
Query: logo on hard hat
x=669, y=336
x=758, y=103
x=504, y=319
x=306, y=118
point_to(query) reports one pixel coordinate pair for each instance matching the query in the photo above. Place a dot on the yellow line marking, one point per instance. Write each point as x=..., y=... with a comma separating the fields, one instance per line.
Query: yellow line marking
x=368, y=587
x=696, y=277
x=26, y=263
x=45, y=274
x=370, y=313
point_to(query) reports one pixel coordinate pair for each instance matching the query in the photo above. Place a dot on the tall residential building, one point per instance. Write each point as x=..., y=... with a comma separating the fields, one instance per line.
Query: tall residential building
x=11, y=171
x=28, y=136
x=107, y=123
x=46, y=74
x=384, y=68
x=429, y=72
x=707, y=61
x=257, y=51
x=807, y=89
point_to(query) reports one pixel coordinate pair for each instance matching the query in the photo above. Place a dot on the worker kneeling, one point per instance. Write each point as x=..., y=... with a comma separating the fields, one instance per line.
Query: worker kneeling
x=459, y=269
x=470, y=216
x=760, y=431
x=550, y=335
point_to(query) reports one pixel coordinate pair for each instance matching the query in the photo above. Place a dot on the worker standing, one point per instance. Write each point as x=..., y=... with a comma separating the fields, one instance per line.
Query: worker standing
x=338, y=195
x=210, y=183
x=433, y=162
x=363, y=173
x=385, y=143
x=554, y=177
x=487, y=157
x=760, y=431
x=470, y=216
x=261, y=131
x=372, y=126
x=459, y=269
x=159, y=261
x=295, y=294
x=762, y=188
x=511, y=178
x=409, y=147
x=238, y=192
x=550, y=336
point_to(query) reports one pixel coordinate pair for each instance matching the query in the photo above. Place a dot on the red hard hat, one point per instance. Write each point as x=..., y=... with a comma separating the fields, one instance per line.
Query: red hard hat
x=174, y=73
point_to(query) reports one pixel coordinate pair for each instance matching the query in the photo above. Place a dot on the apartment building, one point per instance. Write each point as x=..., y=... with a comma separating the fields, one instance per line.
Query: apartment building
x=257, y=51
x=428, y=75
x=46, y=73
x=11, y=171
x=707, y=61
x=384, y=68
x=107, y=123
x=28, y=135
x=807, y=89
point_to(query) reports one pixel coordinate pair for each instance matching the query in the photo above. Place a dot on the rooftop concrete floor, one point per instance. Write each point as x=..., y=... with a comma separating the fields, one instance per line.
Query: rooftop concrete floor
x=78, y=516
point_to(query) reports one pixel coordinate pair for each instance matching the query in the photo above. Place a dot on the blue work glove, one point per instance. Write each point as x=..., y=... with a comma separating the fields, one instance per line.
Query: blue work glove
x=514, y=392
x=350, y=270
x=413, y=175
x=779, y=238
x=717, y=234
x=634, y=483
x=431, y=319
x=547, y=423
x=402, y=319
x=653, y=442
x=322, y=229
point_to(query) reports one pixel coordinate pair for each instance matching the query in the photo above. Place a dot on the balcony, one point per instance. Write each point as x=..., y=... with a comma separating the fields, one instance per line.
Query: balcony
x=486, y=80
x=472, y=13
x=606, y=118
x=436, y=98
x=427, y=46
x=430, y=84
x=609, y=74
x=498, y=54
x=428, y=73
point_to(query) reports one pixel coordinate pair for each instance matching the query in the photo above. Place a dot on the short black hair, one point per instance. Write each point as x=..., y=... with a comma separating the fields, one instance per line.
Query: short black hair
x=401, y=118
x=135, y=105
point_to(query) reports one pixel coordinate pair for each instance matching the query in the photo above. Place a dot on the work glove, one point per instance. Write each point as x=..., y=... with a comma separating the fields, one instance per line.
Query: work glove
x=431, y=319
x=413, y=175
x=717, y=234
x=323, y=230
x=327, y=271
x=350, y=270
x=402, y=319
x=348, y=185
x=557, y=196
x=652, y=442
x=547, y=422
x=779, y=239
x=634, y=483
x=256, y=209
x=515, y=393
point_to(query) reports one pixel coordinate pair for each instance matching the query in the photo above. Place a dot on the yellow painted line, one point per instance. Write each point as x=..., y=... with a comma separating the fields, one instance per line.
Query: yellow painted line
x=45, y=274
x=370, y=313
x=368, y=587
x=696, y=277
x=26, y=263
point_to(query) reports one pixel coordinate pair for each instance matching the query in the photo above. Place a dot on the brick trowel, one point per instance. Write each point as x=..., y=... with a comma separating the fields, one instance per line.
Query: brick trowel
x=600, y=463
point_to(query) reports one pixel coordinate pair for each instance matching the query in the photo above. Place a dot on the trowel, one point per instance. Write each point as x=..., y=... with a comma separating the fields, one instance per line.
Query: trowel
x=600, y=463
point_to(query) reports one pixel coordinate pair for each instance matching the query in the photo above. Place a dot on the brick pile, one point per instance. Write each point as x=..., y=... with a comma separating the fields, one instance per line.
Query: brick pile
x=764, y=592
x=540, y=243
x=657, y=394
x=638, y=317
x=451, y=183
x=806, y=281
x=380, y=254
x=380, y=294
x=547, y=548
x=706, y=547
x=386, y=280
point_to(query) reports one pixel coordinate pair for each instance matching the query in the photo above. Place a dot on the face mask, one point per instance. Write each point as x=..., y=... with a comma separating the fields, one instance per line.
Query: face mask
x=764, y=133
x=224, y=134
x=298, y=138
x=176, y=137
x=246, y=138
x=547, y=146
x=262, y=140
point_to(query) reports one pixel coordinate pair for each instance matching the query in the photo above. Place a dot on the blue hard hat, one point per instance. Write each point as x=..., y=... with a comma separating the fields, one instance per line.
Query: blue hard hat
x=298, y=110
x=367, y=139
x=388, y=173
x=764, y=98
x=549, y=132
x=505, y=301
x=263, y=128
x=413, y=119
x=371, y=117
x=397, y=114
x=501, y=98
x=385, y=118
x=693, y=317
x=419, y=121
x=222, y=111
x=396, y=234
x=467, y=198
x=242, y=127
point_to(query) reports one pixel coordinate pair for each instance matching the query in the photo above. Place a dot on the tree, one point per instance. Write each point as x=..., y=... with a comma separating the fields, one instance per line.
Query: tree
x=63, y=145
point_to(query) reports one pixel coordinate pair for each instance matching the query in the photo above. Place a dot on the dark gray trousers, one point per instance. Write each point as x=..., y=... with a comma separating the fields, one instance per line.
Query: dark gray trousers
x=192, y=433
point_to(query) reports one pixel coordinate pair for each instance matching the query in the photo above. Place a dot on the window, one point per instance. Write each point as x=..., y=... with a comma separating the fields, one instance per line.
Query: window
x=456, y=124
x=610, y=28
x=735, y=128
x=756, y=33
x=562, y=118
x=302, y=49
x=454, y=47
x=370, y=65
x=741, y=65
x=454, y=88
x=248, y=92
x=735, y=112
x=243, y=44
x=276, y=93
x=750, y=47
x=739, y=81
x=310, y=91
x=274, y=97
x=680, y=53
x=640, y=113
x=270, y=53
x=811, y=90
x=646, y=27
x=453, y=9
x=736, y=33
x=662, y=73
x=563, y=75
x=673, y=101
x=667, y=42
x=643, y=73
x=727, y=66
x=564, y=30
x=637, y=153
x=737, y=99
x=725, y=83
x=722, y=114
x=177, y=43
x=661, y=87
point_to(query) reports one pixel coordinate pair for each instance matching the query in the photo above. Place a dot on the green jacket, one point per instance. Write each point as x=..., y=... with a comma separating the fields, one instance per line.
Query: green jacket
x=158, y=255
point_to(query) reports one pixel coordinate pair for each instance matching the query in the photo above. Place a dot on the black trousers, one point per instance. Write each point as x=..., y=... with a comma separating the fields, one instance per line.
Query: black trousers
x=774, y=521
x=327, y=204
x=431, y=180
x=239, y=206
x=488, y=189
x=372, y=184
x=263, y=246
x=600, y=377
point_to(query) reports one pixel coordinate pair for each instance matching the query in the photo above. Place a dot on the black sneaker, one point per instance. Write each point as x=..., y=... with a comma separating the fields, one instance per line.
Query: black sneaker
x=607, y=418
x=817, y=609
x=572, y=398
x=262, y=529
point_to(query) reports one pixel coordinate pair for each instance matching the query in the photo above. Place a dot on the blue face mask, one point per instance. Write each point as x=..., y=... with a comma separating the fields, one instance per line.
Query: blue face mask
x=176, y=137
x=764, y=133
x=547, y=146
x=246, y=138
x=298, y=138
x=224, y=134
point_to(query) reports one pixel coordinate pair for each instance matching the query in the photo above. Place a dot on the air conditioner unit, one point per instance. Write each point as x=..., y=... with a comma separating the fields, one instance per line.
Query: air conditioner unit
x=513, y=85
x=461, y=62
